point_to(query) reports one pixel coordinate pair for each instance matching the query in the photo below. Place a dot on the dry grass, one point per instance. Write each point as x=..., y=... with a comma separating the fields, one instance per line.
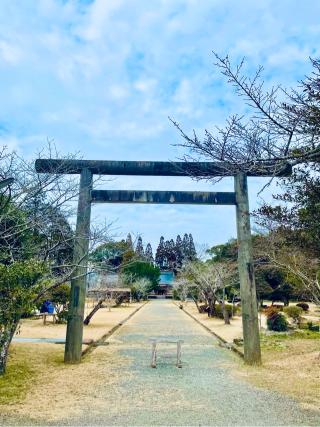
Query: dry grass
x=102, y=321
x=39, y=386
x=291, y=365
x=52, y=389
x=227, y=332
x=15, y=383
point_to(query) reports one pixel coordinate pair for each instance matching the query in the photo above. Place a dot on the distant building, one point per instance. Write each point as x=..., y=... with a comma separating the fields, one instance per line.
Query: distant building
x=166, y=282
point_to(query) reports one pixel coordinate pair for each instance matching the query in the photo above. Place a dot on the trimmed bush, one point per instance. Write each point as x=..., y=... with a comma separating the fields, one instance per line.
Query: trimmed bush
x=313, y=327
x=293, y=312
x=276, y=320
x=303, y=305
x=218, y=310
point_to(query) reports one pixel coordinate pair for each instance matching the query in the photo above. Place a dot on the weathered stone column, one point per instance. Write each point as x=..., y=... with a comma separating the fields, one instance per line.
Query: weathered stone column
x=73, y=346
x=251, y=338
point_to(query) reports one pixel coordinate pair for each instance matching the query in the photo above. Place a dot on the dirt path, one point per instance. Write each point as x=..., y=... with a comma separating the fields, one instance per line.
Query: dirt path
x=118, y=386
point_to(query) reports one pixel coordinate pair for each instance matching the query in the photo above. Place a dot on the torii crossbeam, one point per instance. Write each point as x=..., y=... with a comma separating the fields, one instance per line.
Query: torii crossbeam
x=87, y=196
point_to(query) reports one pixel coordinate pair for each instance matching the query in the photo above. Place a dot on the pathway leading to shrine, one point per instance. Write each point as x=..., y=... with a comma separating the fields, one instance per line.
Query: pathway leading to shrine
x=115, y=385
x=203, y=392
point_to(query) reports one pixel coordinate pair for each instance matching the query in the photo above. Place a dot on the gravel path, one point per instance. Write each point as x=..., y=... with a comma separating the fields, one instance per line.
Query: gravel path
x=116, y=385
x=203, y=392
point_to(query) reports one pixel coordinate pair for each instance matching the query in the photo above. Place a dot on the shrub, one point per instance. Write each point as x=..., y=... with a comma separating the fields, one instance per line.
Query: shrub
x=278, y=306
x=293, y=312
x=219, y=313
x=175, y=294
x=313, y=327
x=270, y=311
x=275, y=320
x=203, y=308
x=303, y=305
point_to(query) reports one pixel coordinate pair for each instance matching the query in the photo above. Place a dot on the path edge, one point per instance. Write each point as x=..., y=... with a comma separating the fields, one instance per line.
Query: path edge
x=103, y=338
x=222, y=340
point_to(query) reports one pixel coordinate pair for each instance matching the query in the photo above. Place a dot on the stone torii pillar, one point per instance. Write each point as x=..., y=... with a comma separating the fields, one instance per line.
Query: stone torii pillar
x=73, y=347
x=248, y=293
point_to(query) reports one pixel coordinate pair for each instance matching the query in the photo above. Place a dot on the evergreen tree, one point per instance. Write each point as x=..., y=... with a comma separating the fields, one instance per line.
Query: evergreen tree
x=178, y=251
x=139, y=248
x=185, y=247
x=192, y=249
x=148, y=254
x=172, y=255
x=129, y=242
x=160, y=253
x=167, y=252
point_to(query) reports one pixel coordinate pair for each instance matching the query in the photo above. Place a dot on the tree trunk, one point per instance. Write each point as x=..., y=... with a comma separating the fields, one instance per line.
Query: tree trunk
x=197, y=305
x=225, y=313
x=210, y=307
x=93, y=312
x=5, y=341
x=233, y=304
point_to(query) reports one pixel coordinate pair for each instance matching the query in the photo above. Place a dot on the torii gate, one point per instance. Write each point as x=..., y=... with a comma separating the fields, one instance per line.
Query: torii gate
x=238, y=198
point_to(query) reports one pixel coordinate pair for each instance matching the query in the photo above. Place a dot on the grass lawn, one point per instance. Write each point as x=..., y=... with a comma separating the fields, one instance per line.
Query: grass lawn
x=27, y=364
x=37, y=379
x=291, y=365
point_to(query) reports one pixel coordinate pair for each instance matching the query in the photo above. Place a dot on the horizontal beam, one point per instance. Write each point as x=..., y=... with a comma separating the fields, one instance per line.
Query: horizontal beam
x=163, y=197
x=145, y=168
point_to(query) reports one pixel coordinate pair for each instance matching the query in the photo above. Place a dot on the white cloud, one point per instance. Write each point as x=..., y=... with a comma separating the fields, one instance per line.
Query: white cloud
x=118, y=92
x=10, y=53
x=98, y=16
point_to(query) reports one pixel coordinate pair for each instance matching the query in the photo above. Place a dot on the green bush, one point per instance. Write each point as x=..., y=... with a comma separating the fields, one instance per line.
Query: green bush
x=217, y=312
x=313, y=327
x=303, y=305
x=293, y=312
x=270, y=311
x=175, y=294
x=276, y=321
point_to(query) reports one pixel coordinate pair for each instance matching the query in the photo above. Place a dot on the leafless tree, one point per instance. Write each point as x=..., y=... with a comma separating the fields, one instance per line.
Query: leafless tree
x=280, y=128
x=211, y=281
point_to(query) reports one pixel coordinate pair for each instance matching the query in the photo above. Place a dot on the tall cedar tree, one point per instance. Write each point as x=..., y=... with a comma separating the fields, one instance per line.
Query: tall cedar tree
x=178, y=251
x=185, y=246
x=172, y=255
x=167, y=251
x=160, y=253
x=192, y=249
x=129, y=242
x=139, y=248
x=148, y=253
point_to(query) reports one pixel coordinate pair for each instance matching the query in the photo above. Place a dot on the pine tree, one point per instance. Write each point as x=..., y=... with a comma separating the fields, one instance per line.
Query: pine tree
x=192, y=249
x=167, y=250
x=129, y=242
x=172, y=255
x=139, y=248
x=148, y=254
x=185, y=247
x=178, y=251
x=160, y=253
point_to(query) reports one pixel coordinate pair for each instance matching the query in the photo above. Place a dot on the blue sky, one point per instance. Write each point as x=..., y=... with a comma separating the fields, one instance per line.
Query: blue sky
x=101, y=77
